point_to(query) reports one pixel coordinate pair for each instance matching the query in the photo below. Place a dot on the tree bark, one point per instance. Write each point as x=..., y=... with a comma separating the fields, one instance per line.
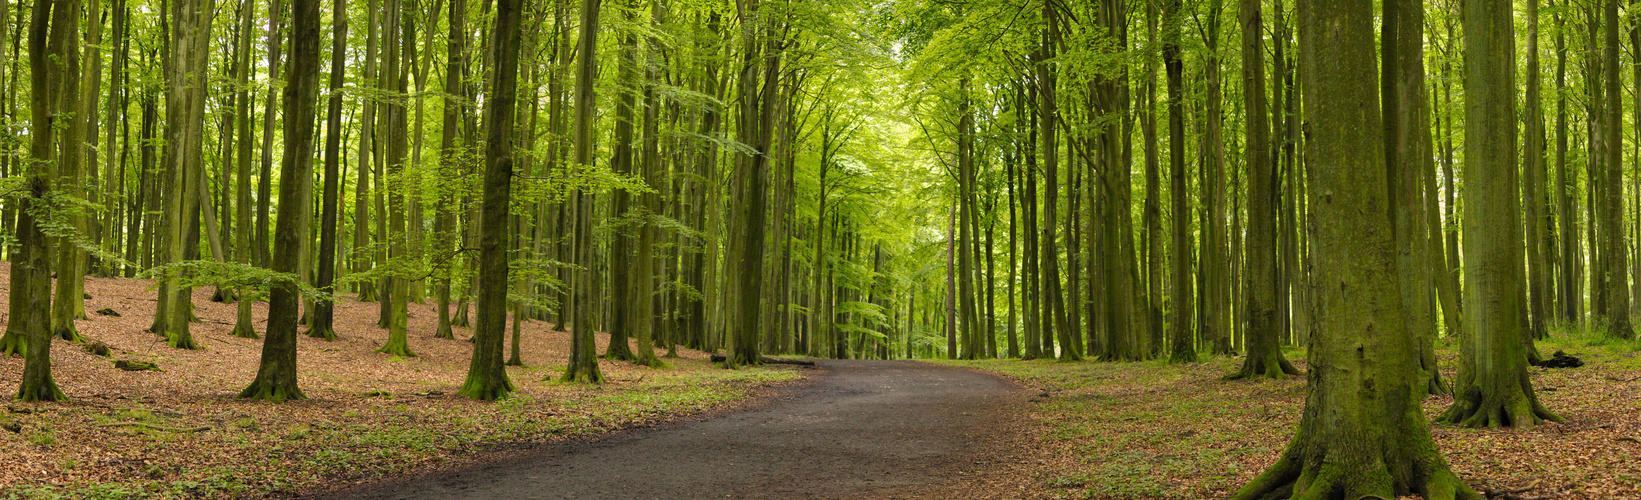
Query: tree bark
x=276, y=375
x=1183, y=349
x=486, y=377
x=1493, y=389
x=1362, y=433
x=1265, y=359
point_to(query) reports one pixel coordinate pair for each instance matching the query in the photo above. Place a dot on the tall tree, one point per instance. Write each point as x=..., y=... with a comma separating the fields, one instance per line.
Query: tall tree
x=1407, y=151
x=401, y=30
x=1493, y=389
x=759, y=74
x=1363, y=432
x=243, y=327
x=69, y=303
x=1184, y=350
x=486, y=376
x=1054, y=309
x=1615, y=271
x=321, y=325
x=455, y=84
x=583, y=364
x=276, y=374
x=621, y=162
x=53, y=77
x=1265, y=357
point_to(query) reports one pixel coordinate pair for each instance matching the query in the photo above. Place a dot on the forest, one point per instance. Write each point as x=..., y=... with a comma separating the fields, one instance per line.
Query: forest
x=1375, y=216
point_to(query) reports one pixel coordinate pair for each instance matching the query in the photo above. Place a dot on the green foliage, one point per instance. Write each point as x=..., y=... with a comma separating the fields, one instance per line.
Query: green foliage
x=233, y=275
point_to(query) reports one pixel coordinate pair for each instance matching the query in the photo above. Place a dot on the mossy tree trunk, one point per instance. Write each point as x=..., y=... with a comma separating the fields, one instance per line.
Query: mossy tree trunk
x=401, y=29
x=184, y=127
x=486, y=376
x=757, y=81
x=69, y=301
x=243, y=327
x=1615, y=270
x=1407, y=151
x=1265, y=359
x=583, y=363
x=621, y=162
x=444, y=230
x=1363, y=432
x=1493, y=389
x=276, y=374
x=53, y=30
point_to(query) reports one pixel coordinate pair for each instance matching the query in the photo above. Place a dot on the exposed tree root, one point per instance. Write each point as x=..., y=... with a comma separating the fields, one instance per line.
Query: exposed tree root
x=481, y=388
x=1473, y=409
x=244, y=330
x=1322, y=479
x=1270, y=366
x=269, y=390
x=13, y=344
x=396, y=347
x=41, y=392
x=444, y=331
x=325, y=333
x=181, y=340
x=68, y=332
x=582, y=375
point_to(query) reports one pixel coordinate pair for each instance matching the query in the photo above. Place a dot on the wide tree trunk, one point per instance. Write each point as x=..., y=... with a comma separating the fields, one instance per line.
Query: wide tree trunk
x=1363, y=432
x=1493, y=389
x=53, y=64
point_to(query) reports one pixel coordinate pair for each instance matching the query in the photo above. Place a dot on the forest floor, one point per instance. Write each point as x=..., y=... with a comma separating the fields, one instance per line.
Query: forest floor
x=1158, y=430
x=182, y=432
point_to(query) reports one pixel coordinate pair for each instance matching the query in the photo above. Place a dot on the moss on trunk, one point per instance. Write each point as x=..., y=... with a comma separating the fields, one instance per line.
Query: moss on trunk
x=1363, y=433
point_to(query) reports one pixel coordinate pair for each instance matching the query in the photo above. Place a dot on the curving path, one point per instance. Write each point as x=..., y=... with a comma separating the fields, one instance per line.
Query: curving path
x=896, y=429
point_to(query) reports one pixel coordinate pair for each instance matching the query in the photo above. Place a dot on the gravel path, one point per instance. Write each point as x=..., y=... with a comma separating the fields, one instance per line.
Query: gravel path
x=895, y=429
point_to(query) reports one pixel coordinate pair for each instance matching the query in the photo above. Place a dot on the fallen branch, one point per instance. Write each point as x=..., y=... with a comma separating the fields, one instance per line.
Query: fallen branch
x=149, y=426
x=770, y=360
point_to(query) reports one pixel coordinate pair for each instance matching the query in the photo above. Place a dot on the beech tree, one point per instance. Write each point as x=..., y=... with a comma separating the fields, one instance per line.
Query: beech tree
x=1362, y=433
x=1493, y=389
x=276, y=374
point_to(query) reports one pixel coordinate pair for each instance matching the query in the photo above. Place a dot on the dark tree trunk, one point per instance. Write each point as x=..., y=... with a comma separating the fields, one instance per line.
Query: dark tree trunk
x=276, y=376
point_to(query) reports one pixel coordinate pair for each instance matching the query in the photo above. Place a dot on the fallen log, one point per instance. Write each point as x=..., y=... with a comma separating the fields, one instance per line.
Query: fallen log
x=770, y=360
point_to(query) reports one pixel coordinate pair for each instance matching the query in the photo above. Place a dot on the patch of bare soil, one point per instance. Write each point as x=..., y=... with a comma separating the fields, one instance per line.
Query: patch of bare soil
x=182, y=431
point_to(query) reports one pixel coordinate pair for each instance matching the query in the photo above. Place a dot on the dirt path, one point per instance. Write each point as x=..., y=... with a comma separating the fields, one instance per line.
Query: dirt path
x=892, y=429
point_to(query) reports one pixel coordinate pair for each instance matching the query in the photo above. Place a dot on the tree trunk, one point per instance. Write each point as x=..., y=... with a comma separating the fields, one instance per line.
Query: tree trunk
x=1183, y=350
x=1612, y=216
x=1407, y=133
x=583, y=363
x=486, y=377
x=53, y=64
x=1493, y=389
x=276, y=375
x=1265, y=359
x=1361, y=434
x=322, y=321
x=243, y=327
